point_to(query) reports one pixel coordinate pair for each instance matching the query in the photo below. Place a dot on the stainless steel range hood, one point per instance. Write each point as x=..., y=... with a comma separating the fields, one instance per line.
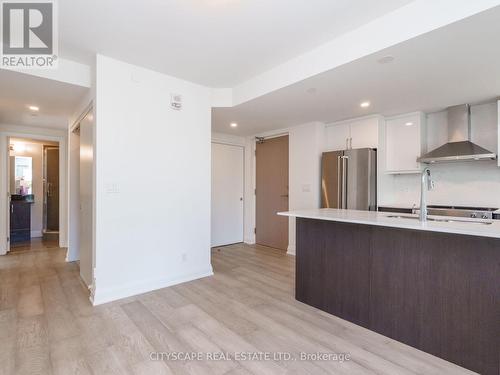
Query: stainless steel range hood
x=459, y=146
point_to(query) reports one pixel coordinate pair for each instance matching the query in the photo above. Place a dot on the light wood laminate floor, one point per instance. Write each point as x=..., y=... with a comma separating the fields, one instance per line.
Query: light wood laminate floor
x=47, y=325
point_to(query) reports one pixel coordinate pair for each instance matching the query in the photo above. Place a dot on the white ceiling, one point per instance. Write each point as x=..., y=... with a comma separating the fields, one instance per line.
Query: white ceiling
x=218, y=43
x=57, y=101
x=455, y=64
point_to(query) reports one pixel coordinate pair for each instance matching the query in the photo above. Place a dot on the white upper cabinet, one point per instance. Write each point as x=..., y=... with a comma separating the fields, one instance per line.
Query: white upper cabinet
x=356, y=133
x=405, y=141
x=364, y=133
x=337, y=137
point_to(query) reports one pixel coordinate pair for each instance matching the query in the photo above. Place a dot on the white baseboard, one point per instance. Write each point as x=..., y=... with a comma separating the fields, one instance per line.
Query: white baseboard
x=291, y=250
x=36, y=233
x=101, y=296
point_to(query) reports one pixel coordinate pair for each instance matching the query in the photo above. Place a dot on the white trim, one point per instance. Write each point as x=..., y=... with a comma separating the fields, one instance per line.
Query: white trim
x=100, y=296
x=291, y=250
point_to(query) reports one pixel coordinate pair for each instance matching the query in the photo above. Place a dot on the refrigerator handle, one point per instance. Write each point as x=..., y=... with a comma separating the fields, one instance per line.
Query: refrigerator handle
x=339, y=203
x=344, y=181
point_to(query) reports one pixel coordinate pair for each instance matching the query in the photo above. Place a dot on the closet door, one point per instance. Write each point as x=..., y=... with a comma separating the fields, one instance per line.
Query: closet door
x=227, y=194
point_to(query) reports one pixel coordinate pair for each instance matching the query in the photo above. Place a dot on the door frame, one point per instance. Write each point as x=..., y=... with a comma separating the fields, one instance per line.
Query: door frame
x=5, y=136
x=242, y=146
x=267, y=135
x=89, y=109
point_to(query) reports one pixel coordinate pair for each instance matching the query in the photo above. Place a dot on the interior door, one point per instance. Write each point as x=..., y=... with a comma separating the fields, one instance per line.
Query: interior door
x=227, y=194
x=51, y=188
x=272, y=192
x=86, y=198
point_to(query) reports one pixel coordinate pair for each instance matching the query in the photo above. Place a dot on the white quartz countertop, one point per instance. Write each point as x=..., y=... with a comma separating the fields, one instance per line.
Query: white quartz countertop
x=406, y=221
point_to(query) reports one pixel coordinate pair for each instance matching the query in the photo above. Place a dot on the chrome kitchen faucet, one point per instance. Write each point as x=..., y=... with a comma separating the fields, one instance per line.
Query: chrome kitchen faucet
x=426, y=184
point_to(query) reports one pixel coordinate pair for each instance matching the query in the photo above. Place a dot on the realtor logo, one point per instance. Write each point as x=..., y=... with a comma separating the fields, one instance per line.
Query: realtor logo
x=28, y=34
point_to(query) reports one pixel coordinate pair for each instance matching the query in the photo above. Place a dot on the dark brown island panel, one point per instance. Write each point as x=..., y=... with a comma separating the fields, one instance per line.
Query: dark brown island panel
x=437, y=292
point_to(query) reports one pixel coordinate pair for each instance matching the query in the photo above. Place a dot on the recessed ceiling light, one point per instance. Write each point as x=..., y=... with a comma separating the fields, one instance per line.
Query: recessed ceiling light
x=386, y=60
x=365, y=104
x=233, y=125
x=409, y=124
x=33, y=108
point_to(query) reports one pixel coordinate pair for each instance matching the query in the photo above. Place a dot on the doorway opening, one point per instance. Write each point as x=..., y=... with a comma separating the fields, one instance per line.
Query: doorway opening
x=33, y=187
x=271, y=193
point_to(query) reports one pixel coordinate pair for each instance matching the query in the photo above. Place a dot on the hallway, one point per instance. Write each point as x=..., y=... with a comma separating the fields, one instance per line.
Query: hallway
x=47, y=325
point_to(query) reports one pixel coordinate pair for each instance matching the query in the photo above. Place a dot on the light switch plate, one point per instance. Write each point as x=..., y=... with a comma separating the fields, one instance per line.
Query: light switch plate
x=112, y=188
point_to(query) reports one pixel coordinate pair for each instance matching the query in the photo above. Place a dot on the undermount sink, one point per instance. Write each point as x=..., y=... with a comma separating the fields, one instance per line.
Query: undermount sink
x=443, y=220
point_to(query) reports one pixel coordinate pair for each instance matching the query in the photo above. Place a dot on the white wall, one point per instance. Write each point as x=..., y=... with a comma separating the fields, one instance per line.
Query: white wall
x=305, y=148
x=152, y=181
x=11, y=130
x=467, y=183
x=228, y=139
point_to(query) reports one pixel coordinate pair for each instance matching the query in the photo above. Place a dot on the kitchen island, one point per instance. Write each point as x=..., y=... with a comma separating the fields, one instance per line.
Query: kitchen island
x=434, y=286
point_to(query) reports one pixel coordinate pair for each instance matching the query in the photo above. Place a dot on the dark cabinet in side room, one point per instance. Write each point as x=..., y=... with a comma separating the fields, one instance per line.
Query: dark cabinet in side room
x=20, y=221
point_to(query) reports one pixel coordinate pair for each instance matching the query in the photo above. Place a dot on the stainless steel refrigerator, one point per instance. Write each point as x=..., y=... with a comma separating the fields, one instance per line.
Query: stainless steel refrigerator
x=349, y=179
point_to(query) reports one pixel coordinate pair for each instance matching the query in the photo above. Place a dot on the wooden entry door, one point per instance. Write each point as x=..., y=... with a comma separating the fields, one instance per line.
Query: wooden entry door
x=272, y=192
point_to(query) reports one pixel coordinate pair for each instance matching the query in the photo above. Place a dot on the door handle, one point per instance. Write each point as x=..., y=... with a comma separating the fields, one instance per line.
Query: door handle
x=350, y=140
x=11, y=208
x=345, y=160
x=339, y=204
x=284, y=196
